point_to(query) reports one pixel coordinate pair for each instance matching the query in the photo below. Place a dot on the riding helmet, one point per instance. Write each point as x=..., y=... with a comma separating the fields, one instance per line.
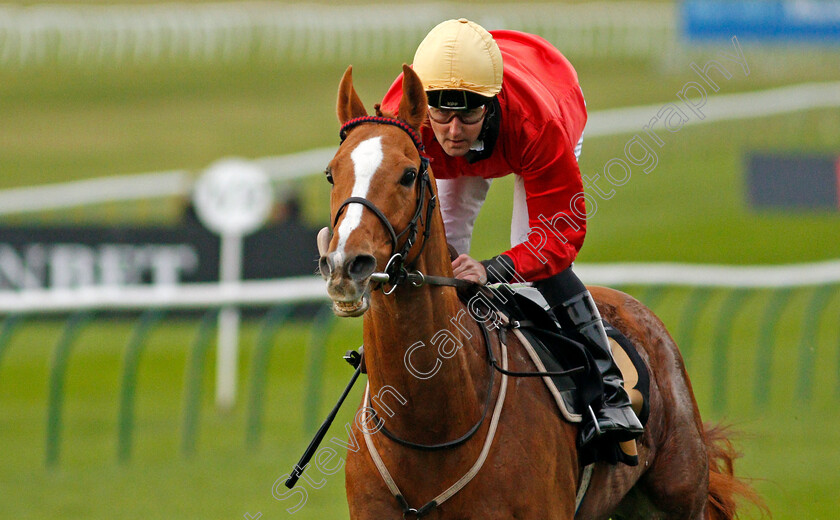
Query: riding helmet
x=459, y=64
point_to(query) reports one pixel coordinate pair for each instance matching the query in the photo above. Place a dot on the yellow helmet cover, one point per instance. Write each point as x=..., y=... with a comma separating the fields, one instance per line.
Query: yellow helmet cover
x=459, y=55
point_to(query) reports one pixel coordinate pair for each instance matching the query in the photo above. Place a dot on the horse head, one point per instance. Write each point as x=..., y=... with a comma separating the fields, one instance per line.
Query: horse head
x=380, y=185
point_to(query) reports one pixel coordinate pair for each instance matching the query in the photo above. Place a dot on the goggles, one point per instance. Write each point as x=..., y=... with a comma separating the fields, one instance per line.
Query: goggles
x=466, y=116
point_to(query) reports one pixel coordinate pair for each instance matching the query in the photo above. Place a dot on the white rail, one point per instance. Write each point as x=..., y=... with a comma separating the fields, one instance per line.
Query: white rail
x=311, y=288
x=307, y=33
x=741, y=277
x=182, y=296
x=95, y=191
x=723, y=107
x=176, y=183
x=228, y=296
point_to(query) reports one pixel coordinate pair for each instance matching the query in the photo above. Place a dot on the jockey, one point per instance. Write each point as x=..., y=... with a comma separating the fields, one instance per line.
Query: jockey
x=528, y=121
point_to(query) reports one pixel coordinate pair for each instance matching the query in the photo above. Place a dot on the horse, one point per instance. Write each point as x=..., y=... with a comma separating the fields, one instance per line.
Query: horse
x=429, y=386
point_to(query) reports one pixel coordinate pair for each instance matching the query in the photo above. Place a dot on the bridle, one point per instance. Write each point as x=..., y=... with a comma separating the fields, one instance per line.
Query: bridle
x=398, y=269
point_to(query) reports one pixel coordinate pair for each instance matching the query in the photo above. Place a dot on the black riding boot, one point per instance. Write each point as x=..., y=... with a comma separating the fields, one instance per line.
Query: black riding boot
x=575, y=310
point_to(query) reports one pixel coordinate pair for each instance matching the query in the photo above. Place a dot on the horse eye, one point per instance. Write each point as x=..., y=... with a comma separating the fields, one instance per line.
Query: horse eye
x=408, y=177
x=328, y=173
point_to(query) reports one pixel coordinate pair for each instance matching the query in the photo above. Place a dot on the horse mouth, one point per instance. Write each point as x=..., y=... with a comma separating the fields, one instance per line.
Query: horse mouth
x=351, y=309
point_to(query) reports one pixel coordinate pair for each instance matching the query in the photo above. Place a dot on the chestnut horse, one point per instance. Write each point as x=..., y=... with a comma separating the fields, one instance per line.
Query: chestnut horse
x=521, y=463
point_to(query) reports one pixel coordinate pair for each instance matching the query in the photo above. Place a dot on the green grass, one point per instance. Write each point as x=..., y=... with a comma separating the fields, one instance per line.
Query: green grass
x=221, y=480
x=782, y=443
x=60, y=124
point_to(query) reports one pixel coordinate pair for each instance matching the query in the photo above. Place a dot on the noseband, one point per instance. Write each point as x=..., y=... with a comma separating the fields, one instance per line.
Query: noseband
x=397, y=268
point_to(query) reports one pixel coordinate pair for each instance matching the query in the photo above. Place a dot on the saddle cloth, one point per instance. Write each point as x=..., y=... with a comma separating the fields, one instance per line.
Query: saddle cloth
x=552, y=349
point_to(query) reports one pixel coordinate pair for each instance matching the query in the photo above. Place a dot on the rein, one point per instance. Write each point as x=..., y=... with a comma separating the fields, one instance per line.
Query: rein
x=494, y=367
x=472, y=431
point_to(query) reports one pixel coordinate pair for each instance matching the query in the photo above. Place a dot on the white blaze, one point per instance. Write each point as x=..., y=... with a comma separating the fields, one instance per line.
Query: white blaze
x=366, y=160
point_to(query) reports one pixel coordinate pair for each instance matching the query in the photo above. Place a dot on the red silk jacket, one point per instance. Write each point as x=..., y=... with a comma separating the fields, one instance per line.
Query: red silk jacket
x=542, y=119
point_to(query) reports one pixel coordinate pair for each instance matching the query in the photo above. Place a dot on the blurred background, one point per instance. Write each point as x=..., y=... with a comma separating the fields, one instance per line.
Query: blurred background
x=115, y=400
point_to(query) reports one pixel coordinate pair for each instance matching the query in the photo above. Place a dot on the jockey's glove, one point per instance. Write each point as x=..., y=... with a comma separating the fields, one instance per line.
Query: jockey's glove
x=499, y=269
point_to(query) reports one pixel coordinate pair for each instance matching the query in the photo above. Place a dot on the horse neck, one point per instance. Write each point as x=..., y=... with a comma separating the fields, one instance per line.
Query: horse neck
x=443, y=404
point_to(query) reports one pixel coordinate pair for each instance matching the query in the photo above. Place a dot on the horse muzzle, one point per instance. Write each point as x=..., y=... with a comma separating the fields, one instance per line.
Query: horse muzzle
x=348, y=281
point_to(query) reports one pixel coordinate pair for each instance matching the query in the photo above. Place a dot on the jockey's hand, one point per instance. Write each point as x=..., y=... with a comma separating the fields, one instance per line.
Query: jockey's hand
x=468, y=268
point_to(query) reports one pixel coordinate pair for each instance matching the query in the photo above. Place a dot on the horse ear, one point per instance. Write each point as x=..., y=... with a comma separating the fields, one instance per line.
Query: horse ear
x=413, y=104
x=349, y=106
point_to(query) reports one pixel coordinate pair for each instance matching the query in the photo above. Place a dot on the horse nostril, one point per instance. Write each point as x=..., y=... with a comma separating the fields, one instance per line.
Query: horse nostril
x=325, y=266
x=361, y=267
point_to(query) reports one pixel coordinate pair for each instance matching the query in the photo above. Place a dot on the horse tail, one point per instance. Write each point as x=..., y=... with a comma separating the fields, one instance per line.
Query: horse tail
x=725, y=489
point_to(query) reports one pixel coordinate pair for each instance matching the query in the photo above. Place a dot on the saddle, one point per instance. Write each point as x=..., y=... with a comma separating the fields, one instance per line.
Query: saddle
x=525, y=314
